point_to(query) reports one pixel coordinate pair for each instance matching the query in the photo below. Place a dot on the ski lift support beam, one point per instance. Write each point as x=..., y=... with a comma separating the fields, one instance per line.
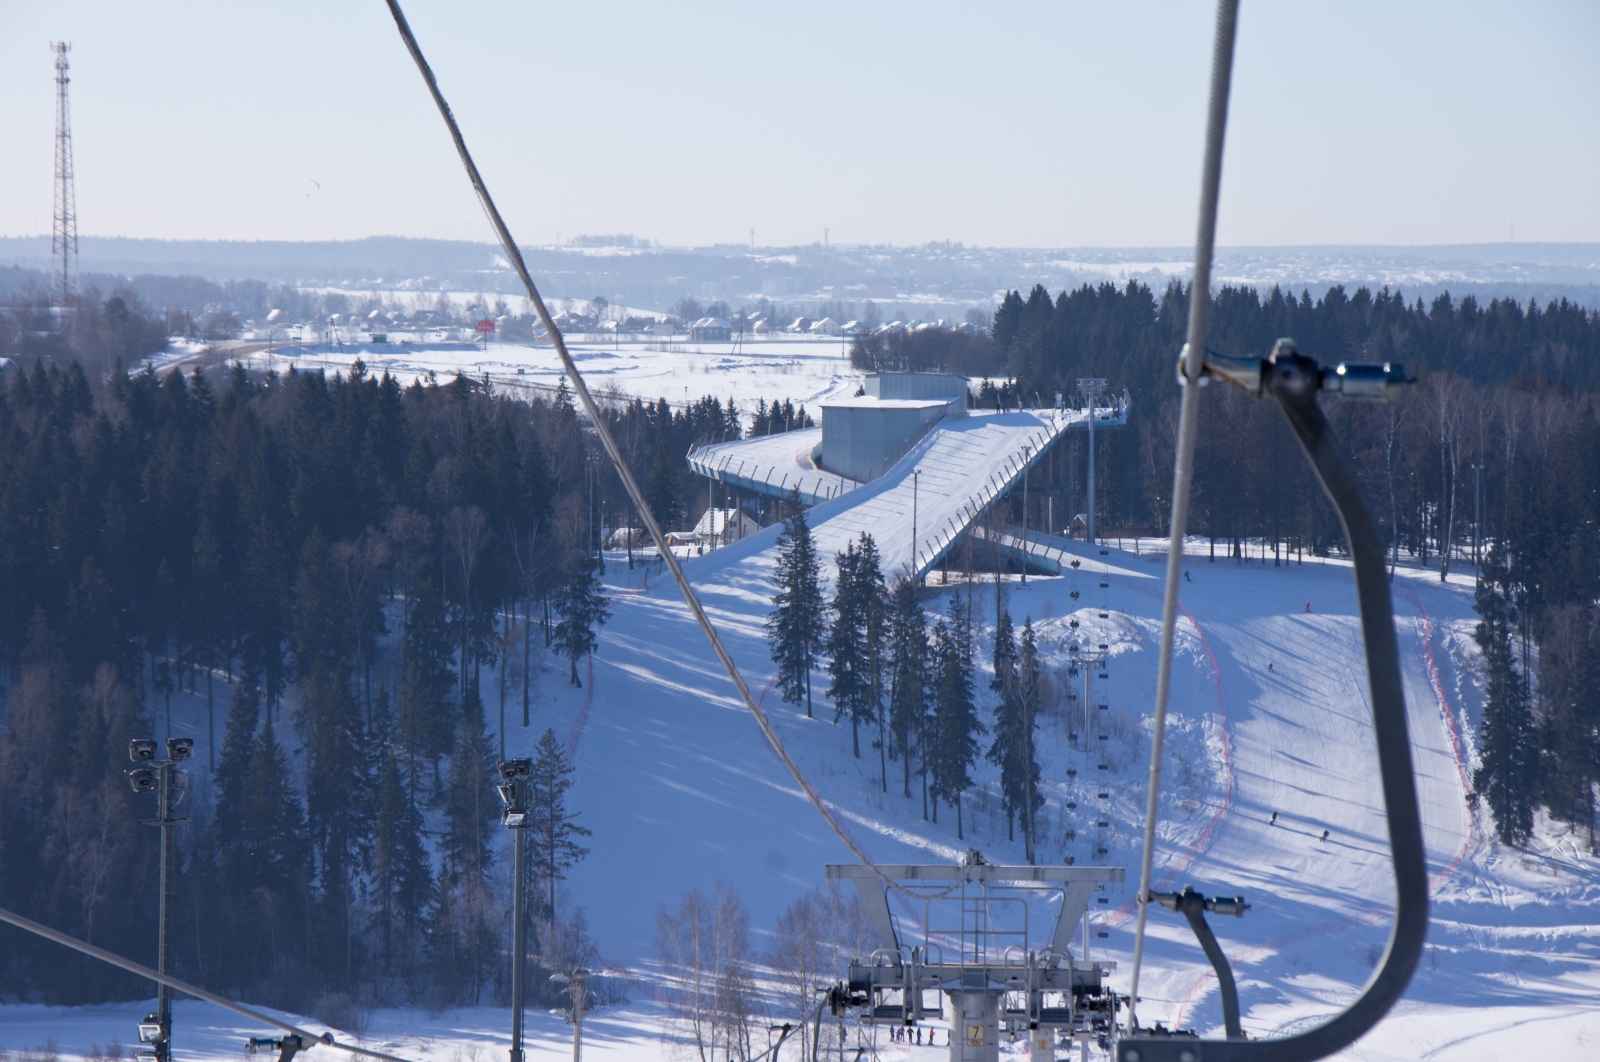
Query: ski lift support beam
x=1294, y=382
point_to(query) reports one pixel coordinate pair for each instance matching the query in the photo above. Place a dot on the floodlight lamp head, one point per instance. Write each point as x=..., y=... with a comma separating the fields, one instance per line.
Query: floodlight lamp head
x=180, y=748
x=141, y=750
x=508, y=794
x=143, y=780
x=520, y=767
x=150, y=1030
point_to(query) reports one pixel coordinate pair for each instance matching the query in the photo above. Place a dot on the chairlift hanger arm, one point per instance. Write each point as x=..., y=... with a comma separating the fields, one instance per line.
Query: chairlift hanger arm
x=1294, y=381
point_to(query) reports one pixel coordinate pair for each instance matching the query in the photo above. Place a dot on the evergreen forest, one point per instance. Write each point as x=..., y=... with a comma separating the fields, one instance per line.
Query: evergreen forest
x=367, y=573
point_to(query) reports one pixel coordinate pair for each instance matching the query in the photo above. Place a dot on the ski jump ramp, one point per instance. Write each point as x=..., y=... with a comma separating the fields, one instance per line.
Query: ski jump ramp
x=918, y=510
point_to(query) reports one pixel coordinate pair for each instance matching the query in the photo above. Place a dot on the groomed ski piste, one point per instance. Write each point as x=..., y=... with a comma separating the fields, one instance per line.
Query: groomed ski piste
x=1269, y=714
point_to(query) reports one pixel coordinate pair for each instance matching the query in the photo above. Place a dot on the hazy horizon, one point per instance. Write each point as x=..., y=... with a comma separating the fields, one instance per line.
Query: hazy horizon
x=1034, y=126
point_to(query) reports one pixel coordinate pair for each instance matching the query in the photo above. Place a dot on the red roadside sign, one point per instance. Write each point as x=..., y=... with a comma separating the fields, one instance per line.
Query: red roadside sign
x=486, y=325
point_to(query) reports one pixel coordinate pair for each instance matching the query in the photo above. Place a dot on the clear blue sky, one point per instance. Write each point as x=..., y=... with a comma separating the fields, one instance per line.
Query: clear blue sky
x=1022, y=124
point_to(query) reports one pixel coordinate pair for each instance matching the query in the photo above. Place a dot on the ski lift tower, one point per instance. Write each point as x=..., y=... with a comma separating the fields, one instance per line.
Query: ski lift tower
x=964, y=930
x=1091, y=389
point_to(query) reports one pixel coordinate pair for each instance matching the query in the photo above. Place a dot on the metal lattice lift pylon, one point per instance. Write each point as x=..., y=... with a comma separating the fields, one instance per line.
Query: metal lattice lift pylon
x=1000, y=980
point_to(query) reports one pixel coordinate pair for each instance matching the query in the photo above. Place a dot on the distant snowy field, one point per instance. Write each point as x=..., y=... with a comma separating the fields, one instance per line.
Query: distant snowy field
x=802, y=370
x=680, y=790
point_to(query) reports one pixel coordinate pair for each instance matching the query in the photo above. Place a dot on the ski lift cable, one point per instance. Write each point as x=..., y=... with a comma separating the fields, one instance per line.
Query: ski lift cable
x=308, y=1039
x=581, y=390
x=1294, y=381
x=1188, y=424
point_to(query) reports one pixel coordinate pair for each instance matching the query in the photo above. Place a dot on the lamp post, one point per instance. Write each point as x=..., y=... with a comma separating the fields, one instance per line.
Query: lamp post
x=161, y=779
x=577, y=989
x=514, y=793
x=915, y=475
x=1025, y=451
x=1091, y=389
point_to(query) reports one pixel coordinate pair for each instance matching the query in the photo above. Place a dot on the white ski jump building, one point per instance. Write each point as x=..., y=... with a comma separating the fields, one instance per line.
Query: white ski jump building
x=909, y=453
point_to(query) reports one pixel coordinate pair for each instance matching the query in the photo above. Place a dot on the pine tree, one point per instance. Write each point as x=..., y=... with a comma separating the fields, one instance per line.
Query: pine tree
x=1007, y=749
x=908, y=687
x=426, y=719
x=797, y=621
x=238, y=744
x=552, y=828
x=470, y=805
x=956, y=724
x=335, y=777
x=582, y=608
x=661, y=493
x=401, y=875
x=322, y=623
x=1506, y=777
x=846, y=646
x=1028, y=693
x=271, y=833
x=207, y=629
x=1569, y=738
x=874, y=608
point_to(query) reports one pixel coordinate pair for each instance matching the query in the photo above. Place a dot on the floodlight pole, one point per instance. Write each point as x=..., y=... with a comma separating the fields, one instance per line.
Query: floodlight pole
x=1025, y=450
x=578, y=989
x=143, y=750
x=513, y=788
x=1091, y=390
x=916, y=473
x=519, y=942
x=169, y=771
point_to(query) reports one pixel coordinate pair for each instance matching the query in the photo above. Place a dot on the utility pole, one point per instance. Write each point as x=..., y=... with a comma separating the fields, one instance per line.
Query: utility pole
x=64, y=220
x=915, y=474
x=1025, y=450
x=514, y=793
x=1091, y=389
x=577, y=983
x=161, y=779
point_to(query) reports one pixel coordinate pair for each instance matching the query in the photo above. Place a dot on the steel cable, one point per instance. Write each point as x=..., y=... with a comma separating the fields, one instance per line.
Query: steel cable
x=590, y=409
x=1188, y=427
x=311, y=1039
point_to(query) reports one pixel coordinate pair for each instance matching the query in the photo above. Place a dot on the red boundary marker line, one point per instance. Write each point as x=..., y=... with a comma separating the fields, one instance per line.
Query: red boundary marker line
x=1455, y=741
x=1375, y=914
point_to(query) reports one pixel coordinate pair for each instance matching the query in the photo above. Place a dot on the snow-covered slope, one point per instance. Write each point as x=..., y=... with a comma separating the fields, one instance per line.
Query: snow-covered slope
x=1269, y=714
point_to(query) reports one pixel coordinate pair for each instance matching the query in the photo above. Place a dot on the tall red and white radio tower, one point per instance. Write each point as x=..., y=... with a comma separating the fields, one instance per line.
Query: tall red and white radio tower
x=64, y=225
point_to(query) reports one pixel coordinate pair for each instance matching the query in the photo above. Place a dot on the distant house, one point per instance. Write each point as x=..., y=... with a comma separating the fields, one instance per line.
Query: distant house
x=710, y=330
x=825, y=327
x=575, y=323
x=761, y=327
x=801, y=325
x=724, y=525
